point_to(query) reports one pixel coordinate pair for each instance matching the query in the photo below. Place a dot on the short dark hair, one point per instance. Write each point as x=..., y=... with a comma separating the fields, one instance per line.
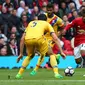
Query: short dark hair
x=42, y=17
x=50, y=5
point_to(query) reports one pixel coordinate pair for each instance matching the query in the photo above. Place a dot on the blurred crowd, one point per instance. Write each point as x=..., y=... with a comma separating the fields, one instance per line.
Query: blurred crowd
x=15, y=15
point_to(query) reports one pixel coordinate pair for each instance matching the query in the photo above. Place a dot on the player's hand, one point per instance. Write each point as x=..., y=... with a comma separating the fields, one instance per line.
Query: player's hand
x=63, y=55
x=19, y=57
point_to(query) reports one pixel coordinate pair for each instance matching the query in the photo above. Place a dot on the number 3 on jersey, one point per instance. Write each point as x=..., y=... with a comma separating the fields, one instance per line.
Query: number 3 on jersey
x=34, y=24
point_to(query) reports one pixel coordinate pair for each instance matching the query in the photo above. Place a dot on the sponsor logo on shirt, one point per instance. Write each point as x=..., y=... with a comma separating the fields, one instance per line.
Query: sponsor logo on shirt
x=81, y=31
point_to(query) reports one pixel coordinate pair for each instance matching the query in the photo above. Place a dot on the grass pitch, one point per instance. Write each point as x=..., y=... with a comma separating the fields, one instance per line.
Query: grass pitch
x=43, y=77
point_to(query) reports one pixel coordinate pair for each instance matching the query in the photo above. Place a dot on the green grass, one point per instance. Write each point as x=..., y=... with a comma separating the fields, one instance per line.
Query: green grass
x=43, y=77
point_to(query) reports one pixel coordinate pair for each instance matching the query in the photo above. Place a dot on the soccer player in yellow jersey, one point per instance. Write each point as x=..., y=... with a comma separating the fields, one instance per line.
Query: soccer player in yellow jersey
x=34, y=39
x=55, y=22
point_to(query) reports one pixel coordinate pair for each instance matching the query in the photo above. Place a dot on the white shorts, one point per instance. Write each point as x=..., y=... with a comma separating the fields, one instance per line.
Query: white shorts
x=78, y=49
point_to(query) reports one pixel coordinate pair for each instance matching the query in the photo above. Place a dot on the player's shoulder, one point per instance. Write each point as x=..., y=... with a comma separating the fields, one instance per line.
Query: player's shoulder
x=42, y=22
x=55, y=15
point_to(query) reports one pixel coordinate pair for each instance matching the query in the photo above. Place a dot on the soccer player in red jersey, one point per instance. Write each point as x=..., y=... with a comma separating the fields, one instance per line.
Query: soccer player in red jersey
x=79, y=41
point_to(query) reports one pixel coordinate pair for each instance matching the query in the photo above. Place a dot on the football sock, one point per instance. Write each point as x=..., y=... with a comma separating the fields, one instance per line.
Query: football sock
x=40, y=60
x=55, y=70
x=24, y=65
x=21, y=71
x=54, y=63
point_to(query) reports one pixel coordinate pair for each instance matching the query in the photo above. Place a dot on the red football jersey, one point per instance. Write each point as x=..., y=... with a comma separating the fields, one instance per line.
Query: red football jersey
x=79, y=25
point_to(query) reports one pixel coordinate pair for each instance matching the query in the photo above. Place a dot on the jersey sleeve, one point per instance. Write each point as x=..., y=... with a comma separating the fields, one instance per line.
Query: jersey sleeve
x=70, y=25
x=60, y=22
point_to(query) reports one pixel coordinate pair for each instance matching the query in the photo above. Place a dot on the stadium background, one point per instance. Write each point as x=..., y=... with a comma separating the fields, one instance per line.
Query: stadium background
x=14, y=18
x=15, y=15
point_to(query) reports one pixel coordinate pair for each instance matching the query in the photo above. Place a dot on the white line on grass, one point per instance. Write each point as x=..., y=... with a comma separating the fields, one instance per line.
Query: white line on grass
x=42, y=81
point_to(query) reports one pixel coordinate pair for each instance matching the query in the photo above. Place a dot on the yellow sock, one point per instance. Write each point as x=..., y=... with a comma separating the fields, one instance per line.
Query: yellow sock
x=53, y=63
x=40, y=60
x=24, y=64
x=37, y=67
x=55, y=70
x=21, y=71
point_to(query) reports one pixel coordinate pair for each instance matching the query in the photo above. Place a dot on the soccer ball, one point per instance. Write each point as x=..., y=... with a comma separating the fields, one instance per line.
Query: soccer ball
x=69, y=71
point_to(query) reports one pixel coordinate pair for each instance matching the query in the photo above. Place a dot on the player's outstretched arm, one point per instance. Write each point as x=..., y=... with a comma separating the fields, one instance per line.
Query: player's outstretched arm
x=21, y=48
x=56, y=40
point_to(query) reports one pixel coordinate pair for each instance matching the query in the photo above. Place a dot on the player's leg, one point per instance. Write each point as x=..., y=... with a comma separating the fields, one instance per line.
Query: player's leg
x=79, y=62
x=83, y=61
x=82, y=51
x=83, y=55
x=42, y=48
x=53, y=63
x=78, y=57
x=53, y=60
x=48, y=66
x=56, y=51
x=25, y=63
x=55, y=67
x=57, y=58
x=40, y=60
x=52, y=44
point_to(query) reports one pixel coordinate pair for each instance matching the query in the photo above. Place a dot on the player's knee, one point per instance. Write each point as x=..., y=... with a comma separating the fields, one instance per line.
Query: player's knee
x=78, y=61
